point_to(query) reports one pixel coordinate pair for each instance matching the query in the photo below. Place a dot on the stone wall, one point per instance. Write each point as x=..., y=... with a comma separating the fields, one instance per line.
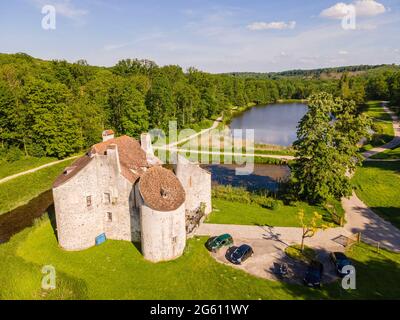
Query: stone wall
x=111, y=211
x=197, y=184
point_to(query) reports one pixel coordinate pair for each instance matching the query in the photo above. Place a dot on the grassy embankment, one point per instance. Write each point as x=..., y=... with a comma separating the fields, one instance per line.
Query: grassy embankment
x=228, y=212
x=10, y=168
x=20, y=190
x=382, y=125
x=233, y=205
x=117, y=270
x=377, y=185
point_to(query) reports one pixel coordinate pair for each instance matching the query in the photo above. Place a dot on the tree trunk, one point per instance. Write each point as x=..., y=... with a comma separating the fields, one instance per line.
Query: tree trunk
x=25, y=149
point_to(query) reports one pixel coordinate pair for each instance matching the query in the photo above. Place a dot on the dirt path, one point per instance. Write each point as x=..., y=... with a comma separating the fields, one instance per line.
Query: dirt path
x=34, y=169
x=174, y=144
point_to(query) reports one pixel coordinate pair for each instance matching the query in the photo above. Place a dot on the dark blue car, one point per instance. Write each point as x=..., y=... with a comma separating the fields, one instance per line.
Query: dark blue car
x=240, y=254
x=313, y=277
x=340, y=260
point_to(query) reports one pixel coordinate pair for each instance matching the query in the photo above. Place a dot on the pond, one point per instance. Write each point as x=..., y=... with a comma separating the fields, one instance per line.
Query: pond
x=264, y=176
x=273, y=123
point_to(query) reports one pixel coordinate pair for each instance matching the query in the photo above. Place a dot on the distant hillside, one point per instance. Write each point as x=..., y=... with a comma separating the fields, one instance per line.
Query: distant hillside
x=321, y=73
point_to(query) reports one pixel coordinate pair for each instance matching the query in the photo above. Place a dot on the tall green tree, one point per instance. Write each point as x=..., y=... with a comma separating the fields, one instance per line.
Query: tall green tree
x=129, y=113
x=328, y=141
x=50, y=127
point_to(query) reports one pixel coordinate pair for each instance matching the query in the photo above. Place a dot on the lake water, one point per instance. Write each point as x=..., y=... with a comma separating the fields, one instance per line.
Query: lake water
x=273, y=124
x=264, y=176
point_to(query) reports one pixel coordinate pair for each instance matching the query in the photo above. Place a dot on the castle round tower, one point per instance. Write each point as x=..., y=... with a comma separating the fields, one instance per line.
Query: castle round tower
x=162, y=214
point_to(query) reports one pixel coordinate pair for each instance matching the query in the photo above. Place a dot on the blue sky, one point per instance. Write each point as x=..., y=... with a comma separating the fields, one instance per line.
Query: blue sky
x=214, y=36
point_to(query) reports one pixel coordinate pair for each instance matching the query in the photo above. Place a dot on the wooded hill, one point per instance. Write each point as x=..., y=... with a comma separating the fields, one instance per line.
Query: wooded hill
x=56, y=108
x=320, y=73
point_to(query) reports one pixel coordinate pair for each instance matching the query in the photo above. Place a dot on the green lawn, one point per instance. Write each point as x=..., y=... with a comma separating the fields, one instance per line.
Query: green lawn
x=378, y=185
x=116, y=270
x=388, y=154
x=20, y=190
x=229, y=212
x=10, y=168
x=382, y=125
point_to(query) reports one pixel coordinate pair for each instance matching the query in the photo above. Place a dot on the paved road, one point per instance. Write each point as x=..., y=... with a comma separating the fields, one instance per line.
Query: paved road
x=269, y=243
x=35, y=169
x=391, y=144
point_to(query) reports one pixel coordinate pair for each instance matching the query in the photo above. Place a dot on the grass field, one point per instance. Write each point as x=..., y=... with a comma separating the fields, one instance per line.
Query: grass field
x=116, y=270
x=378, y=185
x=228, y=212
x=20, y=190
x=10, y=168
x=388, y=154
x=382, y=125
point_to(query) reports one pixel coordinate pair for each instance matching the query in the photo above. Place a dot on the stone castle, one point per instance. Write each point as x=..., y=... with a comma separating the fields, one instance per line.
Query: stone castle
x=119, y=190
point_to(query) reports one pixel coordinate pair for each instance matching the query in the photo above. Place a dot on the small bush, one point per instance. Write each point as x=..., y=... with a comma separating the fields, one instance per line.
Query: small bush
x=11, y=154
x=277, y=204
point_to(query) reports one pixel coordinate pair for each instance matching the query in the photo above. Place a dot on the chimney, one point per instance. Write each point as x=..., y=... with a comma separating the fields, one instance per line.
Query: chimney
x=113, y=157
x=107, y=135
x=145, y=142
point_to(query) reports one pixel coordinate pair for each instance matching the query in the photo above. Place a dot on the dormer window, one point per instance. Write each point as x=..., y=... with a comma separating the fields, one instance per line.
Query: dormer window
x=164, y=192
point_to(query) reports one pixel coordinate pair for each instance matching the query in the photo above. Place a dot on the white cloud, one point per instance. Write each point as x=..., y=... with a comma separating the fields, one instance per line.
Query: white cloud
x=369, y=8
x=343, y=52
x=363, y=8
x=280, y=25
x=338, y=11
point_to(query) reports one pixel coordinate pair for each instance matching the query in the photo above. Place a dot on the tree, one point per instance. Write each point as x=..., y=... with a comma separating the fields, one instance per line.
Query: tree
x=309, y=229
x=129, y=114
x=50, y=127
x=159, y=102
x=327, y=146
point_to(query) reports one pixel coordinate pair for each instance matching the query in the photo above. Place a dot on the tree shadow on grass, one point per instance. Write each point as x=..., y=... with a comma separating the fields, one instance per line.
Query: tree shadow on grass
x=377, y=277
x=24, y=216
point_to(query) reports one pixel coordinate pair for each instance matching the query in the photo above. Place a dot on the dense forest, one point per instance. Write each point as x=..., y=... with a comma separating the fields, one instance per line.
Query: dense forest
x=56, y=108
x=312, y=73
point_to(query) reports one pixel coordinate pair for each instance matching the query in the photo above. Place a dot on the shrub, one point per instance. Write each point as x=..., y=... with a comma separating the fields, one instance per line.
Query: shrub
x=11, y=154
x=240, y=194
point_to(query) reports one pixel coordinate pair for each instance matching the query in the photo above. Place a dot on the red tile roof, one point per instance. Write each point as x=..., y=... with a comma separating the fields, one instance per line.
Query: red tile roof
x=161, y=190
x=159, y=187
x=132, y=159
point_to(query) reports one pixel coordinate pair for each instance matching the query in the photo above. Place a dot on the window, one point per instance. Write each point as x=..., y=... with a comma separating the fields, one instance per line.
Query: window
x=107, y=198
x=88, y=201
x=109, y=217
x=174, y=240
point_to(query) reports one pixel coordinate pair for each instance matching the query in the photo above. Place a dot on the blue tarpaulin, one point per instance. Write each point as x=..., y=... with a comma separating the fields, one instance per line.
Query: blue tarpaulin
x=100, y=239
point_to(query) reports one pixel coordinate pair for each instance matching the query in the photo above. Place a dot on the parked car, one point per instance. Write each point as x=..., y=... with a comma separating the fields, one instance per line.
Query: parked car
x=240, y=254
x=213, y=244
x=340, y=260
x=314, y=274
